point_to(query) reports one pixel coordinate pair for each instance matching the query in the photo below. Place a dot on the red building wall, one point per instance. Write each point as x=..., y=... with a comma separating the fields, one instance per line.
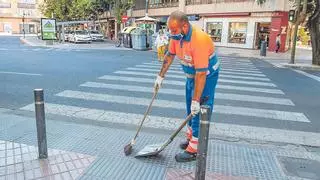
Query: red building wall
x=279, y=25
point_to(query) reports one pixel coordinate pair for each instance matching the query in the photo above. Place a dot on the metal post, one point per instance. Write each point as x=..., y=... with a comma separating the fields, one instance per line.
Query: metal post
x=41, y=123
x=24, y=32
x=63, y=40
x=147, y=3
x=203, y=142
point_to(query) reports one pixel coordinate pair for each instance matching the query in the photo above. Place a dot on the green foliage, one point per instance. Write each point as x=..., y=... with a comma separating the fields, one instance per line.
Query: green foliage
x=260, y=2
x=84, y=9
x=303, y=36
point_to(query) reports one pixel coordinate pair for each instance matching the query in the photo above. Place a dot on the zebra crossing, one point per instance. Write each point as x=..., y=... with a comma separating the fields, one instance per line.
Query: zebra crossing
x=239, y=82
x=44, y=49
x=53, y=50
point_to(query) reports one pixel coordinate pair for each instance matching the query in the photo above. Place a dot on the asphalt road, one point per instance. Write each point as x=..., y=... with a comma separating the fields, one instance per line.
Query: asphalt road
x=254, y=99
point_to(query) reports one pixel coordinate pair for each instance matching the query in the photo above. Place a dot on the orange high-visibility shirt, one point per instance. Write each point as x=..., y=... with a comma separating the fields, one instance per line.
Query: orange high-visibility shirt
x=194, y=51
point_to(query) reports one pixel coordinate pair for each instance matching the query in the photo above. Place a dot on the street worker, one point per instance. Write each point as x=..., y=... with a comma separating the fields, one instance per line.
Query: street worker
x=195, y=51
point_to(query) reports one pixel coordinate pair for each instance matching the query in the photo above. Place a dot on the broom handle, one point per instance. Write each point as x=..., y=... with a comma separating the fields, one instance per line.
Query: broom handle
x=189, y=117
x=147, y=112
x=184, y=123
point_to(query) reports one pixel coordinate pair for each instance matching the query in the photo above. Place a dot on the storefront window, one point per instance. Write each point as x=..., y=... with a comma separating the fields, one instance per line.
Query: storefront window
x=237, y=32
x=214, y=29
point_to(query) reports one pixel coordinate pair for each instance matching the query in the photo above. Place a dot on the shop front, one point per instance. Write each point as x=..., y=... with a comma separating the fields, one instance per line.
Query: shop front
x=247, y=30
x=234, y=31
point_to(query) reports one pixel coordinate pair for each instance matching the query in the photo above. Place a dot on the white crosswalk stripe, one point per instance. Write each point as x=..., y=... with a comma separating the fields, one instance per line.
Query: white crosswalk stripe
x=222, y=75
x=272, y=114
x=182, y=83
x=225, y=71
x=216, y=129
x=157, y=67
x=182, y=77
x=225, y=96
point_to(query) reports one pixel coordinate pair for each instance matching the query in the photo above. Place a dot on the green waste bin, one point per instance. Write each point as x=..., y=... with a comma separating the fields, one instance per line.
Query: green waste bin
x=139, y=40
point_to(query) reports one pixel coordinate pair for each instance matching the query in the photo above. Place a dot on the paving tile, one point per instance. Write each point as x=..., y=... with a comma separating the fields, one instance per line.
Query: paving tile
x=2, y=153
x=66, y=176
x=2, y=162
x=10, y=176
x=70, y=165
x=37, y=173
x=54, y=169
x=29, y=174
x=74, y=174
x=78, y=164
x=20, y=176
x=19, y=167
x=3, y=170
x=57, y=177
x=62, y=167
x=10, y=169
x=2, y=147
x=10, y=160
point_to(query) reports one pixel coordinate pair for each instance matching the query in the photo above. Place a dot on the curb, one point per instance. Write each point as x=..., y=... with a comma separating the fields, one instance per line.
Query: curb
x=302, y=66
x=25, y=41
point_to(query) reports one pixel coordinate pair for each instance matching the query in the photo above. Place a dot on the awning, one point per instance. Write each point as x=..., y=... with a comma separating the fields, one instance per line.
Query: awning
x=146, y=20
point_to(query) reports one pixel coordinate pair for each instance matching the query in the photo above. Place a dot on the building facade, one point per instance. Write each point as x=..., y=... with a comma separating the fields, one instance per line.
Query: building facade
x=17, y=16
x=230, y=23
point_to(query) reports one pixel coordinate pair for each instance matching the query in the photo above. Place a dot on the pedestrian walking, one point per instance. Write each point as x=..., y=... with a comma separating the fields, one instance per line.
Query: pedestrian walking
x=195, y=51
x=161, y=44
x=278, y=43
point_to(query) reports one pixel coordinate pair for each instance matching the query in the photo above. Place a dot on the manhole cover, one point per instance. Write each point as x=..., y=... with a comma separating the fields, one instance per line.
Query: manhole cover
x=303, y=168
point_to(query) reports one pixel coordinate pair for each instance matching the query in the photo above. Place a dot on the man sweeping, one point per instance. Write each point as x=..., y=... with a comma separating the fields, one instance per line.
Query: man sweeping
x=195, y=51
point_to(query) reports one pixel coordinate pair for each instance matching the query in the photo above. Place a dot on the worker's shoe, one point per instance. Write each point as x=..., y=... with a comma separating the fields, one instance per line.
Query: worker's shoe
x=186, y=157
x=190, y=153
x=184, y=145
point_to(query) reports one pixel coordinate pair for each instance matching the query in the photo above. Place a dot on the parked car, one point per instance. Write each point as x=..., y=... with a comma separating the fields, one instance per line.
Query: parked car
x=80, y=36
x=96, y=35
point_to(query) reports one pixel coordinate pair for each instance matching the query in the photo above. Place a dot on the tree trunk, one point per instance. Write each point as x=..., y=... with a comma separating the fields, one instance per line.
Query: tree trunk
x=314, y=24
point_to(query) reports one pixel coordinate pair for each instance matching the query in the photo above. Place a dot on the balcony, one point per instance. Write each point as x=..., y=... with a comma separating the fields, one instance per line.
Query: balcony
x=233, y=6
x=26, y=6
x=5, y=5
x=163, y=4
x=198, y=2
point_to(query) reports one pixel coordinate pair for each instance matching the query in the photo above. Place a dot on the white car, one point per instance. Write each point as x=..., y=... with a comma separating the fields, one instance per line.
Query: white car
x=80, y=36
x=96, y=35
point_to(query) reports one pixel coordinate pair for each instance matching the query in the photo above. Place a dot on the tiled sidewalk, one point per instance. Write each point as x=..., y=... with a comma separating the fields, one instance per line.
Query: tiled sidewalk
x=83, y=151
x=20, y=161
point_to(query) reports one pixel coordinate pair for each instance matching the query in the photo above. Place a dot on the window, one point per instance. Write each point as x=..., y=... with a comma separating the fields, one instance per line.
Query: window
x=5, y=4
x=214, y=29
x=237, y=32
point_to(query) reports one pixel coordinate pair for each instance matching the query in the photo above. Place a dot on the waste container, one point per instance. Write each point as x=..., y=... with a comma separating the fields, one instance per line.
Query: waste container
x=263, y=49
x=139, y=39
x=126, y=37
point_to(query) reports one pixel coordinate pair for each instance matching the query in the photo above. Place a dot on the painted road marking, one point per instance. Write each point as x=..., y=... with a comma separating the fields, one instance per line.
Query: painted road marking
x=19, y=73
x=231, y=110
x=217, y=129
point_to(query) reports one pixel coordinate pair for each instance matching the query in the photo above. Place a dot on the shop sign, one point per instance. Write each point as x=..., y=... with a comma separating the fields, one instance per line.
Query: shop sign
x=48, y=29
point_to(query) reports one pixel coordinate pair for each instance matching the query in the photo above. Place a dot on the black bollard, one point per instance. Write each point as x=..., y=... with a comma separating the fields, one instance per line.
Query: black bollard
x=41, y=123
x=201, y=164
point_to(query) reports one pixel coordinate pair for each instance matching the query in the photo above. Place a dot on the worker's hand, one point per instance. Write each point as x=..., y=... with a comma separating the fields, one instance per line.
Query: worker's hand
x=195, y=107
x=158, y=82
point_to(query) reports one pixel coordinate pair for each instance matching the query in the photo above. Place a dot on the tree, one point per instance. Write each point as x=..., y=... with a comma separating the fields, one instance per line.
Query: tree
x=66, y=9
x=310, y=11
x=314, y=26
